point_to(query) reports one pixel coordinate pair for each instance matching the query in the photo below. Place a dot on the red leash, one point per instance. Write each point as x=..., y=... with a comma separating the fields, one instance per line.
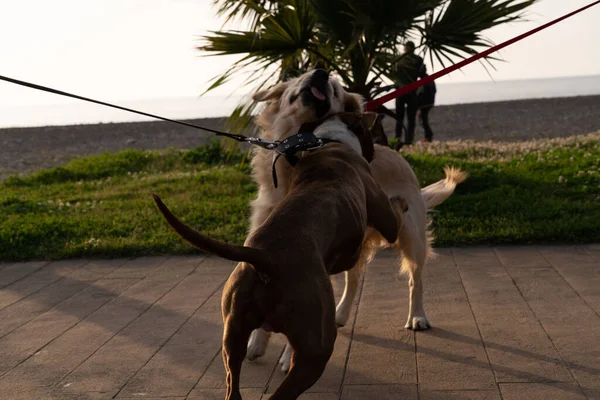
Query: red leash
x=373, y=104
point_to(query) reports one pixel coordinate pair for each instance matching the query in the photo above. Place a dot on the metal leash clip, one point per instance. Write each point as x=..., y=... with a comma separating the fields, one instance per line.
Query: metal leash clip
x=265, y=144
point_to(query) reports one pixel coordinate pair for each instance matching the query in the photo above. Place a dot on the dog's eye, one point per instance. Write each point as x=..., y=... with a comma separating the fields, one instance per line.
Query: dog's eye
x=293, y=98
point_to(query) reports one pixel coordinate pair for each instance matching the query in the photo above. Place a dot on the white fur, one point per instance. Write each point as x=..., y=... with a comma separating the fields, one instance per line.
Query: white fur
x=335, y=129
x=257, y=346
x=285, y=361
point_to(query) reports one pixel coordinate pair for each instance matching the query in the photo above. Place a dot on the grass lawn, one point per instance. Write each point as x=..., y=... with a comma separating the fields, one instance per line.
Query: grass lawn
x=533, y=192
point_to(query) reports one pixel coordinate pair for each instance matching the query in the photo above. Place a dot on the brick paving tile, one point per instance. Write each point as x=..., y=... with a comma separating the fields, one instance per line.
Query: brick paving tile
x=382, y=351
x=31, y=337
x=387, y=392
x=97, y=269
x=177, y=367
x=52, y=394
x=583, y=275
x=451, y=355
x=541, y=391
x=139, y=267
x=478, y=257
x=566, y=254
x=219, y=394
x=14, y=272
x=571, y=324
x=459, y=395
x=36, y=304
x=517, y=345
x=593, y=250
x=108, y=369
x=38, y=280
x=508, y=323
x=521, y=257
x=65, y=353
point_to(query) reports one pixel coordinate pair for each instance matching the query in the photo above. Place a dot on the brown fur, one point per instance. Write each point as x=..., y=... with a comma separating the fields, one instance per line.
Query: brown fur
x=282, y=282
x=279, y=119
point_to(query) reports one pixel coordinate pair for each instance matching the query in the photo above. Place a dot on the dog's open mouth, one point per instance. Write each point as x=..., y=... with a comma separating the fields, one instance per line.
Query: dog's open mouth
x=317, y=93
x=313, y=93
x=315, y=97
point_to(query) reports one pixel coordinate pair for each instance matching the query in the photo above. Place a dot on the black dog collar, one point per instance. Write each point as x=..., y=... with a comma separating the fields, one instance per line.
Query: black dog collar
x=304, y=140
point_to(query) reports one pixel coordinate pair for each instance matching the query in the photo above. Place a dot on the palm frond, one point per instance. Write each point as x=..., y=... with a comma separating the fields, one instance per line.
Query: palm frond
x=358, y=39
x=457, y=27
x=239, y=10
x=282, y=38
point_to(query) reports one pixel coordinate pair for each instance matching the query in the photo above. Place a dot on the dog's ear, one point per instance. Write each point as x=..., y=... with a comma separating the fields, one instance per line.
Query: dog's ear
x=360, y=125
x=384, y=214
x=353, y=102
x=378, y=132
x=369, y=119
x=270, y=93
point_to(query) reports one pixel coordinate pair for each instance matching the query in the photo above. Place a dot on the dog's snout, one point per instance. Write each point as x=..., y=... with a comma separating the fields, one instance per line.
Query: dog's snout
x=319, y=78
x=321, y=73
x=316, y=92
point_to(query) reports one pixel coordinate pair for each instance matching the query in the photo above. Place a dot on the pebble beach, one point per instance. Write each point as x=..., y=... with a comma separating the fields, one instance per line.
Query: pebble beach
x=24, y=150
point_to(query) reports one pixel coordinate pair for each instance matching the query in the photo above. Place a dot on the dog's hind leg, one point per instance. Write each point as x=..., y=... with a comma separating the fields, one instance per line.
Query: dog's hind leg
x=414, y=248
x=234, y=350
x=305, y=371
x=312, y=349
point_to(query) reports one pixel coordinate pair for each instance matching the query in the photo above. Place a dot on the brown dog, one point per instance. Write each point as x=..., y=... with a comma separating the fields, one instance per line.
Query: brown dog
x=281, y=283
x=316, y=95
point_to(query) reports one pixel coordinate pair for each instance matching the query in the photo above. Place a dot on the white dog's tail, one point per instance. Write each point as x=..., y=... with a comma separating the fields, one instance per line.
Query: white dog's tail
x=438, y=192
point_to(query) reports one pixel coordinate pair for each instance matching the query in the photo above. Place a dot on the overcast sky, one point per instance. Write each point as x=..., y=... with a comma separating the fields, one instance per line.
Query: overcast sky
x=140, y=49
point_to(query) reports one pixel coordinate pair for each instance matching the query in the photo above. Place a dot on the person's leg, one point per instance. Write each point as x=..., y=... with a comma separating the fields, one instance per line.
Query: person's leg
x=411, y=116
x=400, y=115
x=425, y=123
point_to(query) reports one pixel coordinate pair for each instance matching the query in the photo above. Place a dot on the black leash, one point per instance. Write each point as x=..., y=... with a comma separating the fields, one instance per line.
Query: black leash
x=267, y=144
x=304, y=140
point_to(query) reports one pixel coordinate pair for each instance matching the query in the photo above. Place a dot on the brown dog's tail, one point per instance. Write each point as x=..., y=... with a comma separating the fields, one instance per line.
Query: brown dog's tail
x=259, y=259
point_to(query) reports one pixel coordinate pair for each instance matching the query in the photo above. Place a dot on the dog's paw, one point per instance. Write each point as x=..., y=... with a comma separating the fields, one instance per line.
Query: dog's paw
x=286, y=358
x=257, y=346
x=417, y=323
x=342, y=314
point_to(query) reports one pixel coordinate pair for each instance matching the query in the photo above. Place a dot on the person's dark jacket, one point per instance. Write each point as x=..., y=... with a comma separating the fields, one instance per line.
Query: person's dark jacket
x=426, y=95
x=410, y=68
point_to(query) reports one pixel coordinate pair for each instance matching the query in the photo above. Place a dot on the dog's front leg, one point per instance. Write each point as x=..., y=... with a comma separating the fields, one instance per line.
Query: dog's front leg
x=235, y=338
x=285, y=361
x=342, y=313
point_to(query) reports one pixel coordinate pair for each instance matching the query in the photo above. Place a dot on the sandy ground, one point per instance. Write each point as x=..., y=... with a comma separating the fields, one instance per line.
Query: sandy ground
x=23, y=150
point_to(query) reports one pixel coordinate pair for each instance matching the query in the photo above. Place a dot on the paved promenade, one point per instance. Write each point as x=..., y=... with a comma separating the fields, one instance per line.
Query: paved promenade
x=508, y=323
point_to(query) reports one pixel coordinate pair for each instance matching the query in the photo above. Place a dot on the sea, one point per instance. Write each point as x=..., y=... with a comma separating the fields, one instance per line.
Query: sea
x=78, y=112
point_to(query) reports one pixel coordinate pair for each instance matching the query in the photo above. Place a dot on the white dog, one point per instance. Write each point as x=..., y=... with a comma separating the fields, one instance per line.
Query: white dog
x=311, y=97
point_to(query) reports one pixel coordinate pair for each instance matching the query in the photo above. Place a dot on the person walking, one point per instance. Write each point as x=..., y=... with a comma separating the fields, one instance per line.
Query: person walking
x=425, y=102
x=409, y=69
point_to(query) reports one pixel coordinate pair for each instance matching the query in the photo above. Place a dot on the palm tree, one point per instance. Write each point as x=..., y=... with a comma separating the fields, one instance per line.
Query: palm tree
x=360, y=40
